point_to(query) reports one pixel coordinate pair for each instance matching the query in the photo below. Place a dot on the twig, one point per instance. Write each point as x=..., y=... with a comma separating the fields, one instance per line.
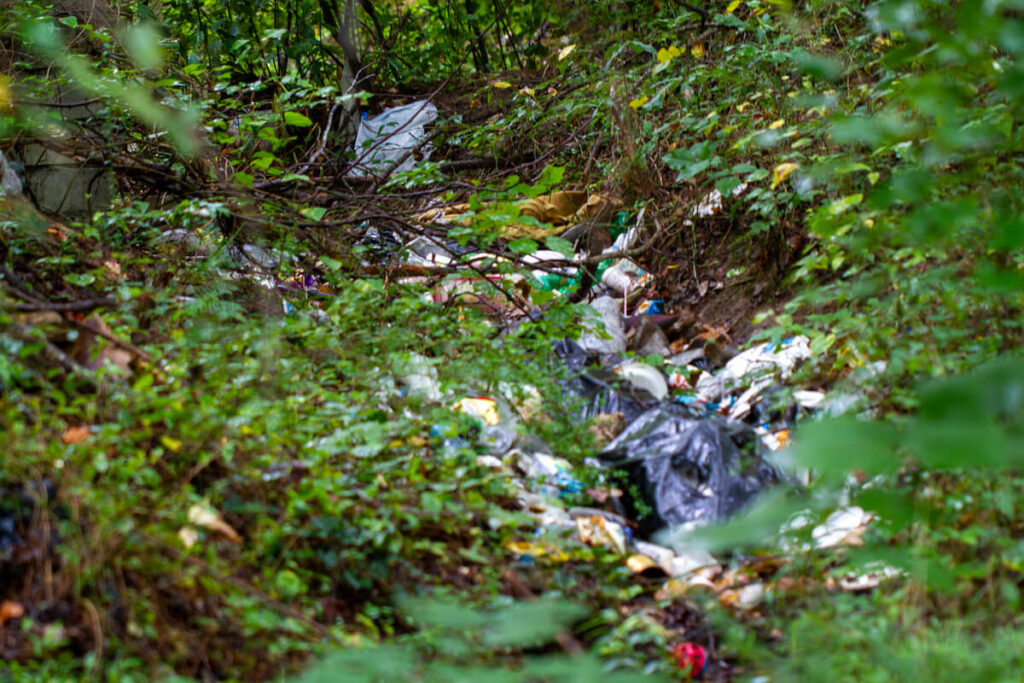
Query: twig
x=82, y=305
x=40, y=304
x=386, y=173
x=127, y=346
x=597, y=258
x=60, y=105
x=18, y=286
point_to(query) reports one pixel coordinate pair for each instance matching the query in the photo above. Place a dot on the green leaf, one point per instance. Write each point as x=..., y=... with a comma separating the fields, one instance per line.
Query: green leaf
x=243, y=179
x=563, y=247
x=866, y=446
x=314, y=213
x=332, y=264
x=549, y=177
x=80, y=279
x=727, y=184
x=263, y=160
x=143, y=44
x=539, y=297
x=531, y=623
x=443, y=614
x=757, y=525
x=294, y=118
x=818, y=66
x=523, y=246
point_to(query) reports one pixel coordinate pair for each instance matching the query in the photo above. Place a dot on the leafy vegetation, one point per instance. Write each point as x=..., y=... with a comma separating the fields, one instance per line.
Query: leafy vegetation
x=210, y=477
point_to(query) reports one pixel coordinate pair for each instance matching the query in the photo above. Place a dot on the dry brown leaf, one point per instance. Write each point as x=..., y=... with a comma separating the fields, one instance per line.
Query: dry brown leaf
x=10, y=610
x=75, y=434
x=208, y=518
x=84, y=350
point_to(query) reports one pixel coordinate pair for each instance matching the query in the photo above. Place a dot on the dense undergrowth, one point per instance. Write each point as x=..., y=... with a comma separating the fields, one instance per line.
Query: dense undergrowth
x=252, y=484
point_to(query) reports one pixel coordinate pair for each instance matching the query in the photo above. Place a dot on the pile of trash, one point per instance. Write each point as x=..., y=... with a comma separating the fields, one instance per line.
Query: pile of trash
x=676, y=455
x=673, y=455
x=688, y=426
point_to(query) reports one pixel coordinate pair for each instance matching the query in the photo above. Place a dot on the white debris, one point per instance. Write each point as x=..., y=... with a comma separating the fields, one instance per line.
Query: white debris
x=843, y=527
x=767, y=364
x=875, y=576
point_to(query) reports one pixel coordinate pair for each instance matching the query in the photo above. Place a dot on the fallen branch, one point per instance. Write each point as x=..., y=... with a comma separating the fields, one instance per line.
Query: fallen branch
x=81, y=305
x=29, y=335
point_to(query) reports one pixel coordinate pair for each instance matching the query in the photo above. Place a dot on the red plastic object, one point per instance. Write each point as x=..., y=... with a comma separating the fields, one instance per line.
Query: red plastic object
x=691, y=658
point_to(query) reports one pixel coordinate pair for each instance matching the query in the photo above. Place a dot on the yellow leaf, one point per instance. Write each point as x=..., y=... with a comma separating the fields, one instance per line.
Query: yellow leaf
x=732, y=6
x=566, y=51
x=782, y=172
x=664, y=56
x=674, y=51
x=528, y=91
x=501, y=84
x=170, y=443
x=6, y=98
x=777, y=124
x=639, y=102
x=698, y=50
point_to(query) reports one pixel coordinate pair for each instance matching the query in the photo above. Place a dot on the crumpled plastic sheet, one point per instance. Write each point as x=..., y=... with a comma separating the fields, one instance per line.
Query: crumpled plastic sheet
x=382, y=140
x=600, y=390
x=687, y=468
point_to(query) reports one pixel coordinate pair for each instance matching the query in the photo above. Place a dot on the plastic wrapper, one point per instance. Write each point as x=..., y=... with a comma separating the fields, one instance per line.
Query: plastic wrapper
x=687, y=468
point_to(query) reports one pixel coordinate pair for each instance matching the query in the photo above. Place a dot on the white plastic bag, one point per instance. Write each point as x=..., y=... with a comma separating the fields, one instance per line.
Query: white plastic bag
x=380, y=141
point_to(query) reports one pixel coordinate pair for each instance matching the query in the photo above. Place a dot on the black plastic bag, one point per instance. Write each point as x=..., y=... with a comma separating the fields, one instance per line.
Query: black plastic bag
x=687, y=467
x=600, y=390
